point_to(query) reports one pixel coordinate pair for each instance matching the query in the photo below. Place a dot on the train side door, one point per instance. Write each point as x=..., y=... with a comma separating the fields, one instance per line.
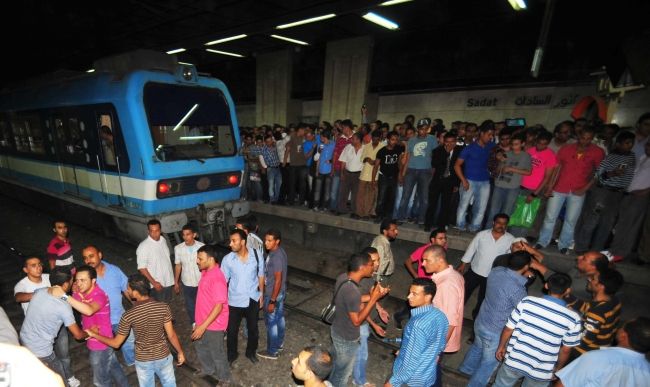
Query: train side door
x=108, y=158
x=72, y=152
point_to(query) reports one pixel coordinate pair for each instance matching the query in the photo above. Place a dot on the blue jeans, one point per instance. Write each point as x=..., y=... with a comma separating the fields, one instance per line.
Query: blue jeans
x=322, y=188
x=147, y=371
x=128, y=347
x=62, y=350
x=274, y=324
x=211, y=351
x=189, y=294
x=398, y=200
x=503, y=201
x=344, y=352
x=334, y=192
x=274, y=176
x=480, y=361
x=509, y=377
x=553, y=207
x=480, y=192
x=107, y=369
x=415, y=179
x=54, y=363
x=359, y=372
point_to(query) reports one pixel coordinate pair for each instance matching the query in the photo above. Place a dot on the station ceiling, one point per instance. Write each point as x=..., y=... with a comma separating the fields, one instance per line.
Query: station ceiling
x=439, y=43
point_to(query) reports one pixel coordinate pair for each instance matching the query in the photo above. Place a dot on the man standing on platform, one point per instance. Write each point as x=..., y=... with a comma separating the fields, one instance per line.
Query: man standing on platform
x=387, y=233
x=211, y=316
x=155, y=263
x=274, y=294
x=449, y=298
x=186, y=270
x=245, y=277
x=367, y=194
x=59, y=250
x=112, y=280
x=387, y=163
x=423, y=340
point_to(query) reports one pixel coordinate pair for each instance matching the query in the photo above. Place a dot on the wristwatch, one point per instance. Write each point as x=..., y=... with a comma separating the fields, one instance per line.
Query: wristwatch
x=64, y=297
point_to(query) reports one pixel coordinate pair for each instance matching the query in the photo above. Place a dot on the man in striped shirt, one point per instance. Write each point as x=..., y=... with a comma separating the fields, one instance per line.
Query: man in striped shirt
x=151, y=321
x=423, y=339
x=539, y=336
x=599, y=213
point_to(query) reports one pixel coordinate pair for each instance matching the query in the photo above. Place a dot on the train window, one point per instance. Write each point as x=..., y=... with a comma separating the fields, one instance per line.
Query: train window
x=5, y=135
x=188, y=122
x=107, y=140
x=20, y=135
x=34, y=134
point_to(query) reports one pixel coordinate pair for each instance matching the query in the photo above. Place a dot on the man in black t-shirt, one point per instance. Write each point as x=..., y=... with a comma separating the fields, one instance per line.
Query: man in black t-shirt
x=387, y=162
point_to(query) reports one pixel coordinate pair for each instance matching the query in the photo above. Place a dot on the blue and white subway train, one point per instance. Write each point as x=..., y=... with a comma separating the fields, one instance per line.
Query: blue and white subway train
x=141, y=137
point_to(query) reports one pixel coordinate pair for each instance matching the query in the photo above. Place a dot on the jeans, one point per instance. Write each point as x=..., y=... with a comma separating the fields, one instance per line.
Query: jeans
x=553, y=207
x=480, y=192
x=324, y=184
x=234, y=320
x=147, y=371
x=334, y=191
x=212, y=355
x=344, y=352
x=297, y=176
x=597, y=219
x=503, y=201
x=165, y=295
x=386, y=190
x=480, y=361
x=128, y=347
x=274, y=177
x=275, y=324
x=398, y=200
x=54, y=363
x=359, y=371
x=106, y=369
x=420, y=178
x=509, y=377
x=189, y=294
x=62, y=350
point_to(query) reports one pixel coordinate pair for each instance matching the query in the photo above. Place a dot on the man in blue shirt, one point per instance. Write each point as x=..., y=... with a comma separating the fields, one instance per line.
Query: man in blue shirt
x=423, y=339
x=244, y=272
x=506, y=286
x=112, y=280
x=417, y=172
x=472, y=170
x=269, y=154
x=323, y=158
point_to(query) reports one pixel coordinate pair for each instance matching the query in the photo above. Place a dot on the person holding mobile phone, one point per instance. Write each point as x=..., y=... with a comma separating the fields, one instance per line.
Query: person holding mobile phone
x=613, y=176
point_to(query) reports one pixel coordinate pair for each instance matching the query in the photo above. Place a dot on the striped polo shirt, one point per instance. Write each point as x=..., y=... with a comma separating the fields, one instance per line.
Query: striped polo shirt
x=612, y=162
x=147, y=318
x=540, y=327
x=600, y=321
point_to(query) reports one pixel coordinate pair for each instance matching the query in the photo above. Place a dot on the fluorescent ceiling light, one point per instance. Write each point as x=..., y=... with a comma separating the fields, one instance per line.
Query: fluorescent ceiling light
x=382, y=21
x=393, y=2
x=90, y=71
x=517, y=5
x=306, y=21
x=176, y=51
x=185, y=63
x=185, y=138
x=290, y=40
x=224, y=53
x=223, y=40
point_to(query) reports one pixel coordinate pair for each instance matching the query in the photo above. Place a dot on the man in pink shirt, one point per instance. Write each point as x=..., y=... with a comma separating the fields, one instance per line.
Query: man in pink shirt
x=449, y=297
x=211, y=316
x=577, y=164
x=543, y=162
x=96, y=312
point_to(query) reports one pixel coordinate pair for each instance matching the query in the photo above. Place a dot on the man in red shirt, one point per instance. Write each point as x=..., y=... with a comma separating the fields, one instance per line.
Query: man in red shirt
x=575, y=175
x=59, y=250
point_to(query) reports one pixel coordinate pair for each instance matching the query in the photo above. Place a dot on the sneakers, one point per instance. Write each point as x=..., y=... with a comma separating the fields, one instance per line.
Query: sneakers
x=266, y=355
x=74, y=382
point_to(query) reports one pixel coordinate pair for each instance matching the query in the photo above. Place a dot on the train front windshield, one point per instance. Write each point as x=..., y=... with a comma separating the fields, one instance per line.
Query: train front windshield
x=188, y=123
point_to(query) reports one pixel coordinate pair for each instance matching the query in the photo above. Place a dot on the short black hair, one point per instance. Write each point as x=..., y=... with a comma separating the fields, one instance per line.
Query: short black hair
x=210, y=251
x=59, y=276
x=320, y=362
x=612, y=280
x=518, y=260
x=369, y=250
x=92, y=273
x=58, y=220
x=624, y=136
x=140, y=283
x=375, y=134
x=31, y=257
x=501, y=216
x=391, y=134
x=428, y=286
x=486, y=126
x=450, y=134
x=436, y=231
x=638, y=331
x=563, y=123
x=544, y=135
x=385, y=224
x=153, y=222
x=239, y=232
x=275, y=233
x=558, y=283
x=644, y=116
x=188, y=227
x=356, y=261
x=249, y=222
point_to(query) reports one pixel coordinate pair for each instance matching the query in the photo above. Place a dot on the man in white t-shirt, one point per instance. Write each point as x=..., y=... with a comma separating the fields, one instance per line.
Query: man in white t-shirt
x=186, y=269
x=24, y=289
x=155, y=264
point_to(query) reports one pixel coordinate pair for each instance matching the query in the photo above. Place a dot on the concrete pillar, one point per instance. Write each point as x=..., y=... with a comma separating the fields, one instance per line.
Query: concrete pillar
x=273, y=97
x=347, y=72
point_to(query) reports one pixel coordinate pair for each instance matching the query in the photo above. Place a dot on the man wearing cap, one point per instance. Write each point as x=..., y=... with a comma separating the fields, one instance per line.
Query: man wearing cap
x=417, y=171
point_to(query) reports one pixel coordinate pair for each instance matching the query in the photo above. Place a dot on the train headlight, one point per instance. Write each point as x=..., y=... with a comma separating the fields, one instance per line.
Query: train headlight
x=163, y=188
x=188, y=73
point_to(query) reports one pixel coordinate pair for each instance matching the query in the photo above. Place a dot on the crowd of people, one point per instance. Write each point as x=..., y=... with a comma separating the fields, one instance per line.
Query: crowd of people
x=589, y=182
